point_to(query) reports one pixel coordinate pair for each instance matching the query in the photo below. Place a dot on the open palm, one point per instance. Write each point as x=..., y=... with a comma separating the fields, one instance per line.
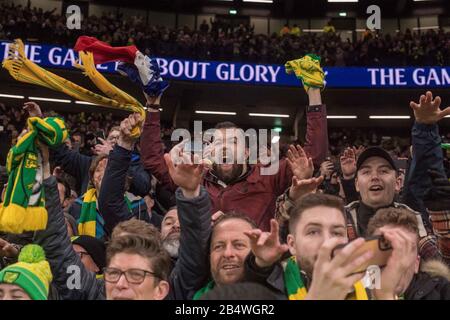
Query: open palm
x=301, y=165
x=427, y=110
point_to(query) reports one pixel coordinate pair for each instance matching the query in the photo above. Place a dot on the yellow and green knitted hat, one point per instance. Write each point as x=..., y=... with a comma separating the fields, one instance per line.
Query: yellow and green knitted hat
x=32, y=272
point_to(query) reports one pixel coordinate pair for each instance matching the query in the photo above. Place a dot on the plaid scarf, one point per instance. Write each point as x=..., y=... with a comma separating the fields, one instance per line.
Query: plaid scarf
x=296, y=289
x=24, y=205
x=87, y=223
x=24, y=70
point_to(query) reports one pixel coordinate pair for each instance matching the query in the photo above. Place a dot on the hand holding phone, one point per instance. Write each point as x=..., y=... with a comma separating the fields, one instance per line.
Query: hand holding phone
x=99, y=135
x=381, y=251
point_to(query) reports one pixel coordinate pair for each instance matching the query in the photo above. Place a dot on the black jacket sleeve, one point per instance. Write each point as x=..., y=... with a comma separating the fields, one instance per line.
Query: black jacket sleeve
x=111, y=200
x=427, y=155
x=271, y=277
x=349, y=190
x=70, y=278
x=140, y=179
x=75, y=164
x=191, y=270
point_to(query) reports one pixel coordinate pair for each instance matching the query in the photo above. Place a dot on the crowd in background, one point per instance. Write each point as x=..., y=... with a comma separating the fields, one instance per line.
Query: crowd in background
x=140, y=217
x=219, y=40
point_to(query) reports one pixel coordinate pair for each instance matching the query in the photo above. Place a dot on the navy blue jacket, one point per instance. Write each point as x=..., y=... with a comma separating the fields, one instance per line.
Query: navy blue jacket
x=111, y=201
x=77, y=165
x=426, y=154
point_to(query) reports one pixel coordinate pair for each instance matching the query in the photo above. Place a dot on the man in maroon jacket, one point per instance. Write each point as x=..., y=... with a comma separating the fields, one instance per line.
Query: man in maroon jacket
x=241, y=187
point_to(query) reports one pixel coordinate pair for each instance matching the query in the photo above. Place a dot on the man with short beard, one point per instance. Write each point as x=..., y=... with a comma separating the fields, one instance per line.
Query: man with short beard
x=233, y=186
x=170, y=232
x=228, y=250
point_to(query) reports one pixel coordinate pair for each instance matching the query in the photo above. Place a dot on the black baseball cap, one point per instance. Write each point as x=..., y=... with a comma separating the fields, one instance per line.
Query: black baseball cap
x=375, y=152
x=95, y=247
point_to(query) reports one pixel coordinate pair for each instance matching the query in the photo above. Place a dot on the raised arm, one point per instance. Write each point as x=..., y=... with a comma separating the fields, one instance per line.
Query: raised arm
x=111, y=201
x=194, y=213
x=73, y=163
x=151, y=146
x=316, y=141
x=71, y=279
x=348, y=168
x=426, y=151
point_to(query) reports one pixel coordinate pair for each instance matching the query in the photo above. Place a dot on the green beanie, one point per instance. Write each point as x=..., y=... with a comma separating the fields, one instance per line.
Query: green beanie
x=32, y=272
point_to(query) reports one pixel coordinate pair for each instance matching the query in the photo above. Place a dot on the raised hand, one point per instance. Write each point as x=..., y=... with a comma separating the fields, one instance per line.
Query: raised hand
x=266, y=246
x=126, y=138
x=427, y=110
x=326, y=168
x=301, y=165
x=332, y=277
x=358, y=151
x=301, y=187
x=348, y=163
x=185, y=173
x=103, y=148
x=33, y=109
x=404, y=250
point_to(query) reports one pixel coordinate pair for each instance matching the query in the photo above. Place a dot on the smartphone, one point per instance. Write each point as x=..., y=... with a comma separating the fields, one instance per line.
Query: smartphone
x=99, y=134
x=381, y=248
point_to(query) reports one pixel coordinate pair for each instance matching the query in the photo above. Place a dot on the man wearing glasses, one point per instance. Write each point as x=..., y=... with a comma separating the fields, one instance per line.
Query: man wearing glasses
x=138, y=267
x=91, y=251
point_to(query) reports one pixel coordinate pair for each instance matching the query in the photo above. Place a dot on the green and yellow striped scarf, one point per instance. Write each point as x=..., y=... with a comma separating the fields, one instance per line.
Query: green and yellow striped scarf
x=24, y=205
x=87, y=223
x=296, y=289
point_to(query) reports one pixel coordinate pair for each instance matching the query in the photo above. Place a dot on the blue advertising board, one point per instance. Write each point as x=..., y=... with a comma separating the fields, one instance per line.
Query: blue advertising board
x=50, y=56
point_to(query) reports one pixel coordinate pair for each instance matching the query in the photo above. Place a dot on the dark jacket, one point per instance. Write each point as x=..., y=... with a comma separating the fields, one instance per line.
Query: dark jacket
x=64, y=262
x=186, y=277
x=111, y=201
x=426, y=287
x=426, y=155
x=271, y=277
x=77, y=165
x=261, y=191
x=191, y=270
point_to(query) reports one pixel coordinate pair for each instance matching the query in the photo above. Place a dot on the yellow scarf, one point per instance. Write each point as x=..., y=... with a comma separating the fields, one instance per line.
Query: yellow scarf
x=25, y=70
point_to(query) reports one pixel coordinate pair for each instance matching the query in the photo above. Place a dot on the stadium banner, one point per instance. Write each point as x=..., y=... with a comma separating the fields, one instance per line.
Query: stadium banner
x=253, y=73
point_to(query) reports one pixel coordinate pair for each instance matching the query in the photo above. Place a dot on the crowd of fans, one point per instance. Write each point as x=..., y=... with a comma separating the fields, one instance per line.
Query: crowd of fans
x=218, y=40
x=137, y=218
x=120, y=165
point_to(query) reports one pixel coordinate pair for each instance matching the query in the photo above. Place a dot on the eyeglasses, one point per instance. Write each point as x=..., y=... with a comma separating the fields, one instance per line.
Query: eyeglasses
x=133, y=276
